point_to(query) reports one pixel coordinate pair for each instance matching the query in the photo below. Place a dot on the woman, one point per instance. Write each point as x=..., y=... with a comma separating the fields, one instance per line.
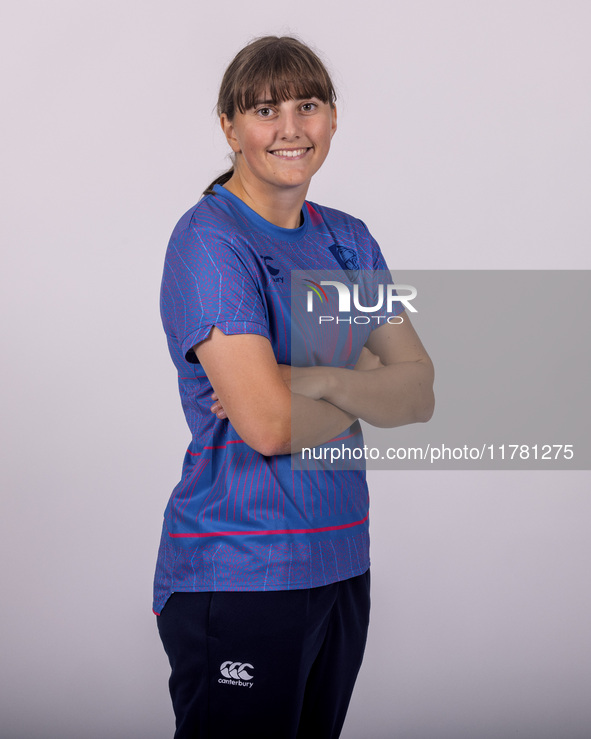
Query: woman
x=262, y=582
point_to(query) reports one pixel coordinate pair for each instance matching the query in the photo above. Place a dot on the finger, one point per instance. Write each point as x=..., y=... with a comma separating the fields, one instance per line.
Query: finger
x=218, y=410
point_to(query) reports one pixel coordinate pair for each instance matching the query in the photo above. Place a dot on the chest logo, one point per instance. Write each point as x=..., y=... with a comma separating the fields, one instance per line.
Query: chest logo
x=347, y=259
x=273, y=271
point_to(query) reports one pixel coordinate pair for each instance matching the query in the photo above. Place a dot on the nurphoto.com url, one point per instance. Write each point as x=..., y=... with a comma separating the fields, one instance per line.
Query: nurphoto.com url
x=442, y=452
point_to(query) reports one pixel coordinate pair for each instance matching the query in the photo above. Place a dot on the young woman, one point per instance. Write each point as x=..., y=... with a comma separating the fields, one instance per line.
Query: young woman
x=262, y=581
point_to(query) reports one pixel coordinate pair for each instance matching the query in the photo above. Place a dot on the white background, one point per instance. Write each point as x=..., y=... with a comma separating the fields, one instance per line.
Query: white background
x=463, y=142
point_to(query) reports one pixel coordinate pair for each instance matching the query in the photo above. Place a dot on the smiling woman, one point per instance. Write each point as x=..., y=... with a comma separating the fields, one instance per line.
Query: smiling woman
x=279, y=146
x=276, y=103
x=263, y=570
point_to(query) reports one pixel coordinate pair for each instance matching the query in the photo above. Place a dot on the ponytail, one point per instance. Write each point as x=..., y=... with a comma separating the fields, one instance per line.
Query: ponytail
x=221, y=180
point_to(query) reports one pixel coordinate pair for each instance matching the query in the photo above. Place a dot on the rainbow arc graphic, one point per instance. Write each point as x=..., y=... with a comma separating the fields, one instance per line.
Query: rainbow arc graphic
x=318, y=290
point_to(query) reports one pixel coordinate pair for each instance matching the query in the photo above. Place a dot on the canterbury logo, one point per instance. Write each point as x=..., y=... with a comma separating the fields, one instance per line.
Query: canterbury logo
x=236, y=670
x=272, y=270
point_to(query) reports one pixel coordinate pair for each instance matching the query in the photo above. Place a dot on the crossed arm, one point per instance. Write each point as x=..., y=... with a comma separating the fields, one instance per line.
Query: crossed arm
x=279, y=409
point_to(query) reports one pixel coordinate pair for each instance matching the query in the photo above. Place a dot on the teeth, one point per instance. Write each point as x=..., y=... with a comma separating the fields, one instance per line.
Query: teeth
x=289, y=152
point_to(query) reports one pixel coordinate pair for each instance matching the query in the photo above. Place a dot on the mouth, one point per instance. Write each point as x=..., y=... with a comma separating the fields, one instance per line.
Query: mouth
x=290, y=153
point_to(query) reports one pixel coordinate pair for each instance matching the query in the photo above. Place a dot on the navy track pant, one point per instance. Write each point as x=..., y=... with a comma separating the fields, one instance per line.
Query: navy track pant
x=265, y=665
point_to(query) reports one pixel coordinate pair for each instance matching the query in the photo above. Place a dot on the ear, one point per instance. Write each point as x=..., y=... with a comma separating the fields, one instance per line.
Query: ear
x=229, y=133
x=333, y=124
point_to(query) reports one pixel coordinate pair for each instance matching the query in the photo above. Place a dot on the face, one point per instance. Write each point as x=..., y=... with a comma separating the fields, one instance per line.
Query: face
x=281, y=144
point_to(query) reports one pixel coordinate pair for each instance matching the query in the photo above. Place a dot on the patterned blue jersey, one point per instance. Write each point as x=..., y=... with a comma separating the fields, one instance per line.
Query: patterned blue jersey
x=238, y=520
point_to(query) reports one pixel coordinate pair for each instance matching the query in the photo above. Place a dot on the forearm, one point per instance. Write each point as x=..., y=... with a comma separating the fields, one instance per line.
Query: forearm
x=386, y=397
x=278, y=409
x=390, y=396
x=314, y=422
x=292, y=421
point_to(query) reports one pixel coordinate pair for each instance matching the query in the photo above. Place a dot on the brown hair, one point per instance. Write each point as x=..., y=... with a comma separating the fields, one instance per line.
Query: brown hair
x=281, y=66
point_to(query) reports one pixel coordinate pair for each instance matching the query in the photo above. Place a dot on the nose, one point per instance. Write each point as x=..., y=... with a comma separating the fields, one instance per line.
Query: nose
x=290, y=126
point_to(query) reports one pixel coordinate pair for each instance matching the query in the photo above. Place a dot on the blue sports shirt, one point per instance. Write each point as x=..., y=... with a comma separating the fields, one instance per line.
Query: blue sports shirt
x=238, y=520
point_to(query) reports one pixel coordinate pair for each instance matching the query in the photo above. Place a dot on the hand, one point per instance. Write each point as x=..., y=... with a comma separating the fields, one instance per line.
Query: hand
x=217, y=407
x=290, y=374
x=312, y=385
x=316, y=382
x=308, y=381
x=368, y=361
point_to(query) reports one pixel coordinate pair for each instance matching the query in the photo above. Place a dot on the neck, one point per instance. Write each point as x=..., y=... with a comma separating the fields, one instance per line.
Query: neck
x=281, y=207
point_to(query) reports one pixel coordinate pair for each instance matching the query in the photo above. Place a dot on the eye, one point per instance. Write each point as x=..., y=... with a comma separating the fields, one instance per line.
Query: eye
x=309, y=107
x=264, y=112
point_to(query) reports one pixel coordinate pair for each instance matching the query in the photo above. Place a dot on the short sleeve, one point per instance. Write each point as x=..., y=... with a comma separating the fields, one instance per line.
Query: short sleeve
x=379, y=262
x=206, y=283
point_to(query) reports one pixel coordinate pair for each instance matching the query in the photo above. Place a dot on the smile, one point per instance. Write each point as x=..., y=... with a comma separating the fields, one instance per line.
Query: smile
x=289, y=153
